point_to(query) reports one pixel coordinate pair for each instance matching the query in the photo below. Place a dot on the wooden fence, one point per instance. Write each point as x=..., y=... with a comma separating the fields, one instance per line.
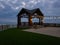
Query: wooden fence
x=4, y=27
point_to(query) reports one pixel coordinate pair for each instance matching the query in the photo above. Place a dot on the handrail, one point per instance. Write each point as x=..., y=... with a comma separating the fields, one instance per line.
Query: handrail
x=52, y=17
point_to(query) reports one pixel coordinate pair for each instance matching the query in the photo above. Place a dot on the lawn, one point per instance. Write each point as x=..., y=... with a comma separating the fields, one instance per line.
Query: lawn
x=16, y=36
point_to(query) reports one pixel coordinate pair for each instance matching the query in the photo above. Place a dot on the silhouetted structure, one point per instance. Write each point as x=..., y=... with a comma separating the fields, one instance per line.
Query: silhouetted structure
x=25, y=13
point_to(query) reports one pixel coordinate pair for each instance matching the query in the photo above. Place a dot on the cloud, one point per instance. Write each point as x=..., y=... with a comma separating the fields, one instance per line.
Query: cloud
x=2, y=6
x=12, y=7
x=14, y=1
x=46, y=5
x=21, y=3
x=56, y=4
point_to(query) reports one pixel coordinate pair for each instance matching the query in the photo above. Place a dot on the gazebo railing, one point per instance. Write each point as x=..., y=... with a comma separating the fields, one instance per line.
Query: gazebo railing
x=52, y=17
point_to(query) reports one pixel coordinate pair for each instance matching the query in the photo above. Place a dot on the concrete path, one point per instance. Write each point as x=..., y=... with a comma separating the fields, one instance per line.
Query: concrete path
x=53, y=31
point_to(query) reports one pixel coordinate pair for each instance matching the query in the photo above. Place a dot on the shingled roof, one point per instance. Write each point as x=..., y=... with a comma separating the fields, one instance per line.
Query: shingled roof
x=37, y=10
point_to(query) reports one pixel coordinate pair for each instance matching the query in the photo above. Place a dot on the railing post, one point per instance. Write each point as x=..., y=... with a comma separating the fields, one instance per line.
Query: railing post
x=2, y=27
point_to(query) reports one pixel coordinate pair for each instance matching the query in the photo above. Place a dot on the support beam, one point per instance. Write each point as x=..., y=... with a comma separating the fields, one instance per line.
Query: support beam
x=39, y=21
x=18, y=21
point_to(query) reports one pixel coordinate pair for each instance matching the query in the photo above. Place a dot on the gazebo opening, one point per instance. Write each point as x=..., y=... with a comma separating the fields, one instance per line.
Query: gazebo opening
x=24, y=19
x=35, y=20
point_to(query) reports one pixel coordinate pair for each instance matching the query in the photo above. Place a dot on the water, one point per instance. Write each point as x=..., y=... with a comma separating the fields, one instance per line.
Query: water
x=34, y=20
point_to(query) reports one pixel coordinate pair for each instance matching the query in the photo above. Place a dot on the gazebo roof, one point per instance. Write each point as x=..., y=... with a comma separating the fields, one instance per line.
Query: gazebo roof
x=37, y=11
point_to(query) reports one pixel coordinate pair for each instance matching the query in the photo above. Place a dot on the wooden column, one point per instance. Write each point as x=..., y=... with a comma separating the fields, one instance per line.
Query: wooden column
x=39, y=21
x=30, y=21
x=18, y=21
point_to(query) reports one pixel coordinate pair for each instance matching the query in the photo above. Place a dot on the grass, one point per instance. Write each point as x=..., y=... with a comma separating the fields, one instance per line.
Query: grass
x=16, y=36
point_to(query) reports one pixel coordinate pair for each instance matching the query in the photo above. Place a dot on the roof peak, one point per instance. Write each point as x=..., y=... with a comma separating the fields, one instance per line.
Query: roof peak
x=33, y=11
x=30, y=9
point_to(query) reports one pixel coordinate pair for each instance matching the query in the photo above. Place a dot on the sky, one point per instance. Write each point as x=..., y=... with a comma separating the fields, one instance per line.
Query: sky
x=10, y=8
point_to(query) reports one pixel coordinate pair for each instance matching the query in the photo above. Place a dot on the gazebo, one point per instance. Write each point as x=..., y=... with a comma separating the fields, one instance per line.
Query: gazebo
x=25, y=13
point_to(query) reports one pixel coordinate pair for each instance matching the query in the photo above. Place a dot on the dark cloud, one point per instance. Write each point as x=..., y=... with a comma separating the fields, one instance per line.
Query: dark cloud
x=56, y=4
x=10, y=8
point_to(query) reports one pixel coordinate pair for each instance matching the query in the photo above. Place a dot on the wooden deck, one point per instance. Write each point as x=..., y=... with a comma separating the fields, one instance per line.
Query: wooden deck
x=52, y=31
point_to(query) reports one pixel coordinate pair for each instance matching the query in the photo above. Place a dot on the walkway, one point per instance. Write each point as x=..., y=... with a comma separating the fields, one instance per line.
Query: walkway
x=53, y=31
